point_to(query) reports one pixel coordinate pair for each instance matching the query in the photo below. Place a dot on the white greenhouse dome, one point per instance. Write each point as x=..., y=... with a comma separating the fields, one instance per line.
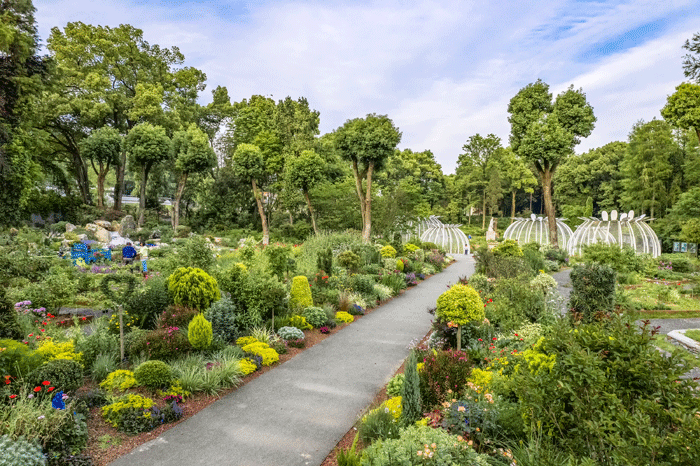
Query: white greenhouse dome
x=624, y=229
x=448, y=237
x=536, y=229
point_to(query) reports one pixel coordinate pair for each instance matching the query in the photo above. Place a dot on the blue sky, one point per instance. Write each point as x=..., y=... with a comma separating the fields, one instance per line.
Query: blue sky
x=442, y=70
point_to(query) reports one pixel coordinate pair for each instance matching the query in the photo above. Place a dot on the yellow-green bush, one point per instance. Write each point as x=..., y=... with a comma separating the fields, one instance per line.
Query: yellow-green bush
x=460, y=304
x=112, y=412
x=200, y=333
x=299, y=322
x=399, y=265
x=121, y=380
x=153, y=374
x=508, y=247
x=247, y=366
x=269, y=355
x=388, y=251
x=194, y=288
x=245, y=341
x=345, y=317
x=255, y=347
x=480, y=377
x=300, y=295
x=49, y=350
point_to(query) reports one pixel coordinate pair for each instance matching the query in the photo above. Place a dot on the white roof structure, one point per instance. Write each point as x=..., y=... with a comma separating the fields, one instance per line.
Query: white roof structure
x=536, y=229
x=624, y=229
x=448, y=237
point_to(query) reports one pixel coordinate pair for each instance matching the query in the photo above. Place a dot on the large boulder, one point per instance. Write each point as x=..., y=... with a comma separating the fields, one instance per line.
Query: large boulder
x=102, y=235
x=128, y=224
x=70, y=227
x=105, y=224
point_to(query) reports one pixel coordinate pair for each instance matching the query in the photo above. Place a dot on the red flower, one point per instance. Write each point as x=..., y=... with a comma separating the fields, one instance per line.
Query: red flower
x=480, y=339
x=516, y=334
x=50, y=388
x=494, y=338
x=31, y=334
x=37, y=389
x=46, y=382
x=13, y=396
x=43, y=329
x=84, y=318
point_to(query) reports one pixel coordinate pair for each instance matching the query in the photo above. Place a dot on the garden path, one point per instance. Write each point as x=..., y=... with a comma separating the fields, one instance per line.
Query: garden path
x=297, y=413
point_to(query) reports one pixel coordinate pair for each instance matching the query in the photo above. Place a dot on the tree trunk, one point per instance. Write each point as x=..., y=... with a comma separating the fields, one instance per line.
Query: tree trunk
x=530, y=202
x=101, y=187
x=311, y=211
x=119, y=185
x=358, y=186
x=175, y=221
x=82, y=178
x=261, y=211
x=368, y=205
x=546, y=176
x=142, y=197
x=291, y=219
x=512, y=208
x=483, y=212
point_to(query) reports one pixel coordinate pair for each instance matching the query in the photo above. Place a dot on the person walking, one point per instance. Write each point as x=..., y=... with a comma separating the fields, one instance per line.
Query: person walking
x=128, y=254
x=143, y=253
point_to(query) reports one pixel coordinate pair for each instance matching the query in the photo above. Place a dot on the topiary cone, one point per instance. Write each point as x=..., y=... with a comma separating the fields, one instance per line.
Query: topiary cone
x=199, y=332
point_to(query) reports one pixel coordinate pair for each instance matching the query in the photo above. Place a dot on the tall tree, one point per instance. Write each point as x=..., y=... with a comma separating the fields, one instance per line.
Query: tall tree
x=103, y=147
x=516, y=176
x=22, y=76
x=304, y=172
x=113, y=77
x=477, y=165
x=249, y=165
x=691, y=64
x=682, y=108
x=367, y=143
x=193, y=154
x=146, y=146
x=545, y=133
x=647, y=167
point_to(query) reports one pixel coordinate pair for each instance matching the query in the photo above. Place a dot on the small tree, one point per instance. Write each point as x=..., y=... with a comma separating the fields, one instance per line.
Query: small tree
x=410, y=392
x=103, y=147
x=248, y=164
x=194, y=288
x=305, y=172
x=460, y=305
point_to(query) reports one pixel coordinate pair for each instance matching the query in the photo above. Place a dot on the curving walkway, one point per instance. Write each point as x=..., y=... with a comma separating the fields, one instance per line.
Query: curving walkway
x=297, y=413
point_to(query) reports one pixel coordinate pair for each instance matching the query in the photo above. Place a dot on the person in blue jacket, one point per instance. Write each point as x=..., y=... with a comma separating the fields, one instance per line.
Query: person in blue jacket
x=128, y=254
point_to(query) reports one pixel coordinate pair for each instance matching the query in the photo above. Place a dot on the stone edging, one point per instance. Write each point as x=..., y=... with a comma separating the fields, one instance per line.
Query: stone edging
x=678, y=336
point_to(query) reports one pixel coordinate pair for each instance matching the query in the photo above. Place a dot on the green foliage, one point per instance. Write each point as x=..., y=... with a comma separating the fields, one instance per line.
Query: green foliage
x=395, y=385
x=508, y=247
x=378, y=424
x=210, y=374
x=349, y=260
x=9, y=325
x=324, y=260
x=64, y=374
x=192, y=287
x=148, y=302
x=515, y=302
x=163, y=343
x=480, y=283
x=622, y=260
x=593, y=293
x=199, y=332
x=130, y=414
x=300, y=294
x=176, y=316
x=388, y=251
x=278, y=259
x=299, y=322
x=448, y=449
x=315, y=316
x=153, y=374
x=290, y=333
x=222, y=315
x=20, y=452
x=17, y=359
x=411, y=392
x=443, y=373
x=120, y=379
x=196, y=252
x=460, y=304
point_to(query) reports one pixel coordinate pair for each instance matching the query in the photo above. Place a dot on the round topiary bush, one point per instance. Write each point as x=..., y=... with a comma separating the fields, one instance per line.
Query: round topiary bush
x=388, y=251
x=315, y=316
x=192, y=287
x=64, y=374
x=460, y=304
x=153, y=374
x=200, y=333
x=349, y=260
x=508, y=247
x=300, y=295
x=290, y=333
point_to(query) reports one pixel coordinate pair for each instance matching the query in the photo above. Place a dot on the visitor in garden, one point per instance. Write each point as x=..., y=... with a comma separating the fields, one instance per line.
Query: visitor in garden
x=143, y=253
x=128, y=254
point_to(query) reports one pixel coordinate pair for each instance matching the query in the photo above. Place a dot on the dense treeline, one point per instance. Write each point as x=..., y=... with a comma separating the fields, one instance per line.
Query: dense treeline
x=105, y=111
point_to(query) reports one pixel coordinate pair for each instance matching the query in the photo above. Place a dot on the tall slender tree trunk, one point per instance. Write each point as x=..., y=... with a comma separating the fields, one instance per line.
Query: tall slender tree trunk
x=512, y=208
x=142, y=197
x=311, y=211
x=368, y=205
x=483, y=212
x=546, y=176
x=82, y=178
x=119, y=185
x=530, y=202
x=101, y=187
x=358, y=187
x=175, y=221
x=261, y=211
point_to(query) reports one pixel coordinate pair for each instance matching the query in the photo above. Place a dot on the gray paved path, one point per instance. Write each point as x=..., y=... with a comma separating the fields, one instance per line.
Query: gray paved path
x=296, y=413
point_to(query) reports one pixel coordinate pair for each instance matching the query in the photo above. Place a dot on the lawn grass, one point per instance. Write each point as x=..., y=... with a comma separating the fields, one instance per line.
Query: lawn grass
x=694, y=334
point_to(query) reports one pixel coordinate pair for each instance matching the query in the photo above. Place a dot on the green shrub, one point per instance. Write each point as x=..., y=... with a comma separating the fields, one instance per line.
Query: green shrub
x=388, y=251
x=534, y=259
x=300, y=294
x=395, y=385
x=20, y=452
x=64, y=374
x=515, y=302
x=102, y=366
x=222, y=315
x=378, y=424
x=315, y=316
x=148, y=302
x=443, y=373
x=290, y=333
x=196, y=252
x=551, y=266
x=299, y=322
x=593, y=291
x=176, y=316
x=9, y=325
x=163, y=343
x=399, y=265
x=480, y=283
x=120, y=379
x=324, y=260
x=448, y=450
x=428, y=246
x=277, y=259
x=199, y=332
x=619, y=259
x=153, y=374
x=508, y=247
x=17, y=359
x=460, y=304
x=361, y=283
x=349, y=260
x=193, y=287
x=411, y=402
